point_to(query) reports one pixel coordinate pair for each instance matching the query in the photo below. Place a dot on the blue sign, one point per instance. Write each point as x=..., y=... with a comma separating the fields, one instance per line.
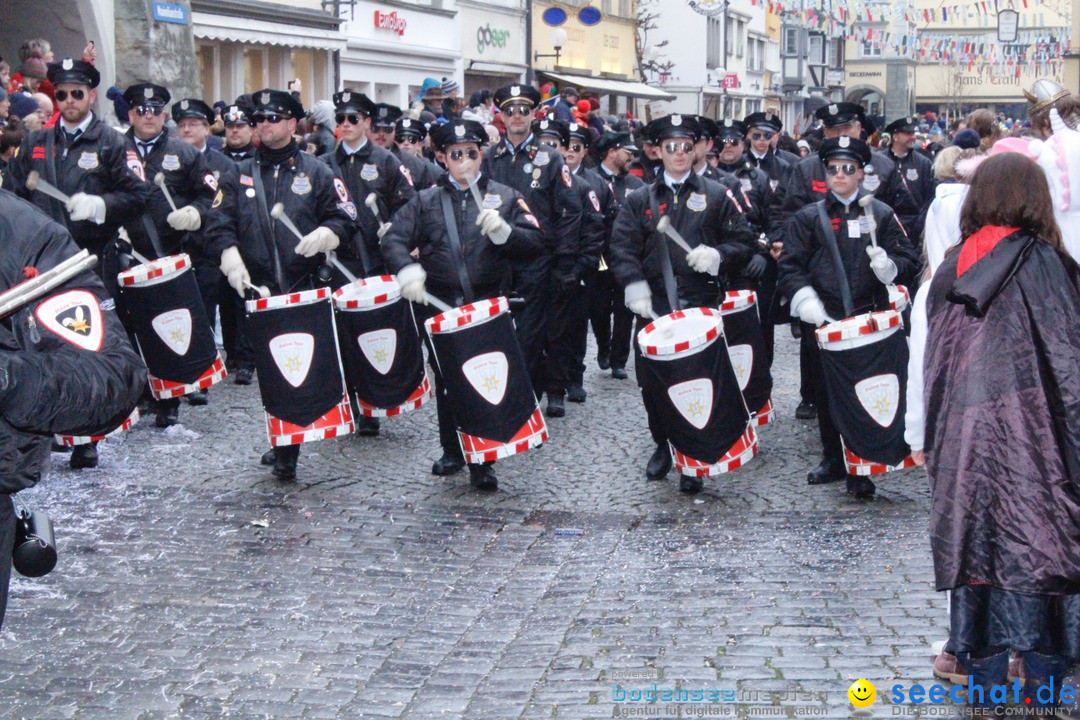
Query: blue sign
x=169, y=13
x=589, y=16
x=554, y=16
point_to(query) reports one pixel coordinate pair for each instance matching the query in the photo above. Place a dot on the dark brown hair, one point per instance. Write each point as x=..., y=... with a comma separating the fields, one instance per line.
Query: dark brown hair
x=983, y=122
x=1010, y=190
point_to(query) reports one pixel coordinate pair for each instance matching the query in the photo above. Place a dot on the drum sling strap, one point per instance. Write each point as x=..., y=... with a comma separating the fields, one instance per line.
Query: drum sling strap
x=455, y=247
x=670, y=288
x=838, y=264
x=358, y=243
x=266, y=225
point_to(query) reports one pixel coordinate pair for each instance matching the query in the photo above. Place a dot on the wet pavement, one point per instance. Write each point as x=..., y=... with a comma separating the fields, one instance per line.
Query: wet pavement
x=192, y=584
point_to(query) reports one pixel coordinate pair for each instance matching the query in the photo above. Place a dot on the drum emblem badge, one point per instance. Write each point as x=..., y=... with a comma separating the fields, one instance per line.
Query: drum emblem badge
x=174, y=329
x=742, y=359
x=292, y=354
x=487, y=373
x=694, y=400
x=74, y=317
x=880, y=397
x=379, y=347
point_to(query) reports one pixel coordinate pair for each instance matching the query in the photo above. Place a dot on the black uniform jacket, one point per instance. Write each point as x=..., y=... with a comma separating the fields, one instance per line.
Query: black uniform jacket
x=806, y=183
x=66, y=366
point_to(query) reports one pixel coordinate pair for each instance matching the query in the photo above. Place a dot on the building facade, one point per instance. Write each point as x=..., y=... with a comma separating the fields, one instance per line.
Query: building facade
x=492, y=42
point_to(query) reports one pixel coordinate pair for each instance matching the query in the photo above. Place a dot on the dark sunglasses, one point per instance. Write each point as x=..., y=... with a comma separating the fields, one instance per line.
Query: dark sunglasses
x=576, y=147
x=382, y=128
x=521, y=110
x=407, y=140
x=847, y=168
x=548, y=143
x=471, y=153
x=673, y=147
x=728, y=142
x=351, y=118
x=144, y=110
x=272, y=119
x=762, y=136
x=238, y=123
x=62, y=95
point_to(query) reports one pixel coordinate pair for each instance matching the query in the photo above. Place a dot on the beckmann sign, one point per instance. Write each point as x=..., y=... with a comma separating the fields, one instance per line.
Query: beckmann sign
x=390, y=21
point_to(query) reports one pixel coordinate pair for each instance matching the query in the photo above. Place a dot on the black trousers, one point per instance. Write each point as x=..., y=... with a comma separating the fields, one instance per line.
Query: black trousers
x=807, y=358
x=7, y=544
x=830, y=437
x=567, y=326
x=238, y=352
x=611, y=320
x=532, y=281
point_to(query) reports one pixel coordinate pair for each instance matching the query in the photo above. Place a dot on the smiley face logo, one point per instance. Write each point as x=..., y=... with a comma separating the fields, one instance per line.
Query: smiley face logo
x=862, y=693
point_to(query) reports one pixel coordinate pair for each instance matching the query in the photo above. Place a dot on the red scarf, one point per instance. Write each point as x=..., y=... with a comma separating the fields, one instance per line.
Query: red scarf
x=981, y=242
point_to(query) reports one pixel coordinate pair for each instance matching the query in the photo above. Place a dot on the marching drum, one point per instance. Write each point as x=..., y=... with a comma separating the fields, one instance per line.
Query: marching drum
x=73, y=440
x=299, y=366
x=746, y=348
x=686, y=370
x=162, y=301
x=865, y=366
x=380, y=348
x=487, y=381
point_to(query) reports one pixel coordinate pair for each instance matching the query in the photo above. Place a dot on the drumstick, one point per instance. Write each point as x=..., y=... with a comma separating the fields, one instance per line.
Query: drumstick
x=664, y=226
x=331, y=257
x=138, y=256
x=34, y=288
x=278, y=213
x=475, y=190
x=159, y=180
x=372, y=201
x=34, y=182
x=261, y=290
x=432, y=300
x=865, y=202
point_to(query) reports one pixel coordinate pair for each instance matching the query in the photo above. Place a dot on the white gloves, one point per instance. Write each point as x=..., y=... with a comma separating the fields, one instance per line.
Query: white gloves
x=638, y=299
x=411, y=279
x=383, y=229
x=492, y=225
x=87, y=207
x=320, y=240
x=185, y=219
x=704, y=259
x=232, y=266
x=807, y=306
x=883, y=267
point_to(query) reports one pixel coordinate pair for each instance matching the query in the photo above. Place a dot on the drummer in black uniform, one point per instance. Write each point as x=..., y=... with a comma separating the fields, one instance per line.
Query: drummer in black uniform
x=809, y=276
x=384, y=133
x=239, y=132
x=916, y=173
x=659, y=277
x=538, y=175
x=91, y=164
x=476, y=270
x=611, y=320
x=162, y=231
x=409, y=136
x=193, y=118
x=239, y=145
x=257, y=246
x=762, y=129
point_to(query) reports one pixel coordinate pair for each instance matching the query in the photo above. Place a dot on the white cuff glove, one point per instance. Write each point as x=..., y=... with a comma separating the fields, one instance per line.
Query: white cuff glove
x=411, y=279
x=883, y=267
x=232, y=266
x=383, y=229
x=185, y=219
x=638, y=299
x=807, y=306
x=319, y=240
x=492, y=225
x=87, y=207
x=704, y=259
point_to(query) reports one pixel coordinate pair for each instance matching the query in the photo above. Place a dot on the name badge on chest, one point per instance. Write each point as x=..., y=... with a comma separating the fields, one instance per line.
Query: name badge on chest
x=301, y=184
x=696, y=202
x=369, y=172
x=170, y=162
x=88, y=161
x=854, y=229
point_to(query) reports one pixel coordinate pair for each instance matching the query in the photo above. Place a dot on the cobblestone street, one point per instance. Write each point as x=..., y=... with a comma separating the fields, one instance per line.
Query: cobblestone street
x=192, y=584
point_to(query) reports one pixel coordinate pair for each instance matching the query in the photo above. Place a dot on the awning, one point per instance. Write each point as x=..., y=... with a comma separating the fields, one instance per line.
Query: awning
x=605, y=86
x=208, y=26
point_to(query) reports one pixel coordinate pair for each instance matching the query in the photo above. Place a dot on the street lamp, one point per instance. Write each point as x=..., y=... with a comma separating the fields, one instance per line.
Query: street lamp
x=559, y=38
x=722, y=73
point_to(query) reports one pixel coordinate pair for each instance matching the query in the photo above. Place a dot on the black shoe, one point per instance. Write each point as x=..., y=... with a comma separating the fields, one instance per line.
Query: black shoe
x=168, y=417
x=576, y=393
x=59, y=446
x=862, y=488
x=796, y=330
x=691, y=485
x=200, y=398
x=482, y=477
x=602, y=361
x=269, y=457
x=659, y=464
x=83, y=456
x=806, y=410
x=285, y=464
x=828, y=471
x=244, y=376
x=447, y=465
x=619, y=373
x=367, y=426
x=556, y=407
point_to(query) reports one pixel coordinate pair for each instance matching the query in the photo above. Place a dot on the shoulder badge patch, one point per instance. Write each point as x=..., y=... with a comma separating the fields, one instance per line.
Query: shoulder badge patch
x=211, y=180
x=567, y=177
x=595, y=200
x=135, y=165
x=408, y=176
x=342, y=193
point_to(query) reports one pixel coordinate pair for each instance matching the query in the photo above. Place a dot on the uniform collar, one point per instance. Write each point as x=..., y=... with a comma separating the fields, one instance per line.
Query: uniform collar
x=670, y=181
x=81, y=127
x=353, y=151
x=846, y=202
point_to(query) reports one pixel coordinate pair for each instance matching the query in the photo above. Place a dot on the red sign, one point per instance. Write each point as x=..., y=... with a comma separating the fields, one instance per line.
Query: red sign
x=730, y=81
x=390, y=21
